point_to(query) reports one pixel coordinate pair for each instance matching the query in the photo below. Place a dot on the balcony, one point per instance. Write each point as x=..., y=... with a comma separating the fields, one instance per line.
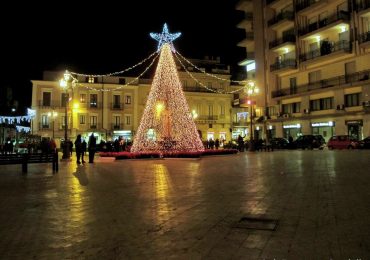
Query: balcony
x=327, y=49
x=94, y=105
x=116, y=106
x=327, y=23
x=249, y=38
x=249, y=59
x=94, y=126
x=282, y=20
x=248, y=19
x=276, y=4
x=287, y=41
x=49, y=103
x=116, y=126
x=283, y=66
x=240, y=123
x=44, y=126
x=242, y=5
x=205, y=119
x=344, y=80
x=364, y=40
x=303, y=7
x=362, y=7
x=198, y=89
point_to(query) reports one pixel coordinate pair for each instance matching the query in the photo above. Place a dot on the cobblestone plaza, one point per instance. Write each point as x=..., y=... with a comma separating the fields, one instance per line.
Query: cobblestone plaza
x=187, y=209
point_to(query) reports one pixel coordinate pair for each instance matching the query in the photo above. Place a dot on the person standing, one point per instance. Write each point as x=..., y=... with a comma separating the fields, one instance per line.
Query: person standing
x=78, y=147
x=92, y=148
x=83, y=151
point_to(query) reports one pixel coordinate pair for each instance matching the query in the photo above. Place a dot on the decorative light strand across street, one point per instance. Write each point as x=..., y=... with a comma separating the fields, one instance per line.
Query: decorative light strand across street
x=127, y=84
x=117, y=72
x=209, y=74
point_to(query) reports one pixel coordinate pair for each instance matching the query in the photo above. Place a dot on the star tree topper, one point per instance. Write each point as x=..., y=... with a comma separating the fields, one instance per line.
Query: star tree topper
x=165, y=37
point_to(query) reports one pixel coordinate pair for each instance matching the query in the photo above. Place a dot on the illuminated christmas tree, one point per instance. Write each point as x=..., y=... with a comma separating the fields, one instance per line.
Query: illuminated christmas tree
x=167, y=124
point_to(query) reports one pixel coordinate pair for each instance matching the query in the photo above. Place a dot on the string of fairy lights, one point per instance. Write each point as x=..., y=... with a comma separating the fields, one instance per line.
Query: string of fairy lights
x=246, y=85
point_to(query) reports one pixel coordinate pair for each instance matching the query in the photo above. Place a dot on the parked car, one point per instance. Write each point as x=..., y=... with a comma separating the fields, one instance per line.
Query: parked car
x=342, y=142
x=279, y=143
x=309, y=142
x=365, y=143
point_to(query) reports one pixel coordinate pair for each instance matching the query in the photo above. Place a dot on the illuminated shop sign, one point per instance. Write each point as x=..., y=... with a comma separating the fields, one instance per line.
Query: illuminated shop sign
x=292, y=126
x=321, y=124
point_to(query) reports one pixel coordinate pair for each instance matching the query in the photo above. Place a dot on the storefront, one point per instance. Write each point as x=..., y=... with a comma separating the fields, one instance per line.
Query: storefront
x=258, y=132
x=293, y=130
x=125, y=134
x=325, y=129
x=239, y=131
x=354, y=128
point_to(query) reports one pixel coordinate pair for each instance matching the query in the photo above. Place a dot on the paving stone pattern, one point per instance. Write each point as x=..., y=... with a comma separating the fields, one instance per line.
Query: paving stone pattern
x=187, y=209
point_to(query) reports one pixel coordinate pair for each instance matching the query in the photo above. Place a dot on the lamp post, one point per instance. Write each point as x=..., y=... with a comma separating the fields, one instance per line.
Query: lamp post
x=65, y=84
x=53, y=115
x=251, y=89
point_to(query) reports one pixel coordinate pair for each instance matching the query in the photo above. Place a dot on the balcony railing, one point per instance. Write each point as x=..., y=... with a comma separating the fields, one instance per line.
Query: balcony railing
x=326, y=48
x=289, y=63
x=94, y=105
x=289, y=15
x=205, y=117
x=94, y=126
x=303, y=4
x=116, y=126
x=116, y=106
x=47, y=103
x=198, y=89
x=341, y=15
x=324, y=84
x=365, y=37
x=362, y=5
x=44, y=126
x=286, y=38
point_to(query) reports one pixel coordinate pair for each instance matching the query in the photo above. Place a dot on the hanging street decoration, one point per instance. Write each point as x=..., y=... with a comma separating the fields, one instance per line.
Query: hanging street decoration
x=18, y=119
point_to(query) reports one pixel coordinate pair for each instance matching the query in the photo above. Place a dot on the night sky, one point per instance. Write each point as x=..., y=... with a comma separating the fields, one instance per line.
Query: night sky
x=105, y=37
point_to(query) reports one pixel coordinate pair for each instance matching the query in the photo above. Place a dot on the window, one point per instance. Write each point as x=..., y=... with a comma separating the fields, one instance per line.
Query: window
x=93, y=121
x=116, y=101
x=209, y=84
x=128, y=120
x=91, y=79
x=293, y=85
x=327, y=103
x=352, y=100
x=93, y=100
x=117, y=120
x=82, y=119
x=127, y=100
x=82, y=98
x=44, y=121
x=46, y=99
x=222, y=110
x=64, y=98
x=315, y=105
x=314, y=76
x=210, y=110
x=184, y=83
x=122, y=81
x=321, y=104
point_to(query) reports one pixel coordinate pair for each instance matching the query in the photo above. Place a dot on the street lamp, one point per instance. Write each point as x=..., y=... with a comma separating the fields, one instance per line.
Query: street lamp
x=65, y=84
x=53, y=115
x=251, y=89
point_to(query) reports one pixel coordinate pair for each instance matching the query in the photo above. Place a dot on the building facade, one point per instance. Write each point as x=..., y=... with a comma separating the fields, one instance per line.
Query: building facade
x=317, y=66
x=109, y=108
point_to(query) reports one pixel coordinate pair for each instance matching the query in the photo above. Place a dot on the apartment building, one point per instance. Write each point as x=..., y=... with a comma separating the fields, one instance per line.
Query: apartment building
x=109, y=108
x=317, y=67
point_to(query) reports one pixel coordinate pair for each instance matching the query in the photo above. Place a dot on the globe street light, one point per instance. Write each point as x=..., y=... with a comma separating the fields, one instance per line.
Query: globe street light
x=53, y=115
x=65, y=83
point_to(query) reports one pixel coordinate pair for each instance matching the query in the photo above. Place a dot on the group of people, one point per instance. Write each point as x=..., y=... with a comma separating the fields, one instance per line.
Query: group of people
x=81, y=146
